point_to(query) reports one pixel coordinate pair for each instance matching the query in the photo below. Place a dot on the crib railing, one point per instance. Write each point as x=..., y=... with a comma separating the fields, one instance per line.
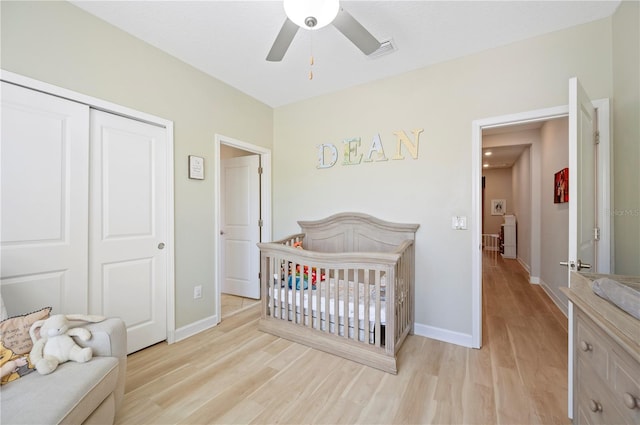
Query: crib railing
x=341, y=294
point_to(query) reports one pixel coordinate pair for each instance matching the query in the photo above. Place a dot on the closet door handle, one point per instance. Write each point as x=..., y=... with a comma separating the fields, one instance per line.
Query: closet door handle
x=161, y=245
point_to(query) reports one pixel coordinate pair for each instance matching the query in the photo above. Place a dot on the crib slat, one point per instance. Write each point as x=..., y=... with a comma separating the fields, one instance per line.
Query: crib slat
x=367, y=304
x=277, y=290
x=356, y=303
x=309, y=294
x=299, y=285
x=378, y=333
x=327, y=301
x=345, y=304
x=267, y=273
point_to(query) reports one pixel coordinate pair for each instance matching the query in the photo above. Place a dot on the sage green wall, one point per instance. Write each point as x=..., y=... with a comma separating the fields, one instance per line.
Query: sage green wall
x=626, y=138
x=443, y=100
x=58, y=43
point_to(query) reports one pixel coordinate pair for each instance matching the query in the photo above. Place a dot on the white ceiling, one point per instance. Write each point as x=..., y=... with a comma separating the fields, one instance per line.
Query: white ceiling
x=229, y=40
x=503, y=156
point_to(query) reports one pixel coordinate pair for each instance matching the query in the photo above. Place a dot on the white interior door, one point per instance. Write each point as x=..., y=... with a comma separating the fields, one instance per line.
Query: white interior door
x=240, y=232
x=582, y=196
x=44, y=183
x=129, y=226
x=582, y=179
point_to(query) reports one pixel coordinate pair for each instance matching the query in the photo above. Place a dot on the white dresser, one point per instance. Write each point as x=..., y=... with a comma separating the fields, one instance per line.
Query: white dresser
x=606, y=359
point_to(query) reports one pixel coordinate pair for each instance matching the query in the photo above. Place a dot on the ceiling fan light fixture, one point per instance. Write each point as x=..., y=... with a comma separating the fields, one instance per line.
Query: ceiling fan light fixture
x=311, y=14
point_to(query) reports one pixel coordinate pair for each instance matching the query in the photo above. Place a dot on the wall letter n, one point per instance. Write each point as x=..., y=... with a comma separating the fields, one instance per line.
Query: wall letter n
x=403, y=139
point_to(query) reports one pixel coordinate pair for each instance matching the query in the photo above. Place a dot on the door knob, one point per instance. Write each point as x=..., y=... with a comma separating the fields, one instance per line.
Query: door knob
x=161, y=245
x=578, y=265
x=221, y=232
x=581, y=265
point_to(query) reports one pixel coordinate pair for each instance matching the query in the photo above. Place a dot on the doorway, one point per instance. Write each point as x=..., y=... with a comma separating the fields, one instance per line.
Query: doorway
x=537, y=191
x=243, y=217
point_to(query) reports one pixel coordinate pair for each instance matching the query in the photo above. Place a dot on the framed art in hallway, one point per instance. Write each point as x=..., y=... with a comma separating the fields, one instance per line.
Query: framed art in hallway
x=561, y=186
x=498, y=206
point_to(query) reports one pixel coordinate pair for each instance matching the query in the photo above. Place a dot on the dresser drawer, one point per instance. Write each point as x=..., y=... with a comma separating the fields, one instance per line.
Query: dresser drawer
x=593, y=402
x=591, y=345
x=625, y=385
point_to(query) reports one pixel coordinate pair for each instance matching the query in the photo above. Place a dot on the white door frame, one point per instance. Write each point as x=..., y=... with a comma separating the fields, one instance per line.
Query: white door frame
x=113, y=108
x=265, y=201
x=604, y=197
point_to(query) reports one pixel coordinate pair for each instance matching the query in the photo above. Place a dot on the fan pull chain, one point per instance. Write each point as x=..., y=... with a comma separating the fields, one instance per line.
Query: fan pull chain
x=311, y=60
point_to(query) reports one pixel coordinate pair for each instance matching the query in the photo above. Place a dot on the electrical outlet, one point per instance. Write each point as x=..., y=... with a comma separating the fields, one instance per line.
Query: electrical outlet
x=197, y=292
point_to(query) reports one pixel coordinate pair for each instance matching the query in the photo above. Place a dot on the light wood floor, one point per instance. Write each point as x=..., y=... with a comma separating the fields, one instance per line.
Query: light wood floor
x=232, y=304
x=234, y=373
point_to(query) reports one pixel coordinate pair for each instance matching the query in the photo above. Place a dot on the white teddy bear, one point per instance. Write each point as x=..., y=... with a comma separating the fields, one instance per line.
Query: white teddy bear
x=55, y=344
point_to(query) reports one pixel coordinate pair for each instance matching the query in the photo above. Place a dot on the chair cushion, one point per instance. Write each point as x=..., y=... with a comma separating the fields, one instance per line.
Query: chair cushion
x=69, y=394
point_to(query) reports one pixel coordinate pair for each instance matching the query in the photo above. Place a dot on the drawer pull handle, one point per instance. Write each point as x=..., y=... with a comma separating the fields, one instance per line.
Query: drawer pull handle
x=594, y=406
x=630, y=401
x=585, y=346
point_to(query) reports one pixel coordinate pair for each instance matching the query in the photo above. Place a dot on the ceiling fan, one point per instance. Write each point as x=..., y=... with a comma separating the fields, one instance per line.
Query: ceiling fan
x=315, y=14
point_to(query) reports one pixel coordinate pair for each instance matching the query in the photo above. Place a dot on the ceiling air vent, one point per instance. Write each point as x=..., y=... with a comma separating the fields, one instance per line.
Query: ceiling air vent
x=386, y=47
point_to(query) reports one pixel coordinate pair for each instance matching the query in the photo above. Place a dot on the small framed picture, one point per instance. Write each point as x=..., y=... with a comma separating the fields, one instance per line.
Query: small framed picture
x=196, y=167
x=498, y=206
x=561, y=186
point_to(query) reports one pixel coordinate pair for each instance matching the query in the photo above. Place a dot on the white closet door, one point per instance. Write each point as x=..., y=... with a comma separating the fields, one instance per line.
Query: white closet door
x=129, y=226
x=44, y=199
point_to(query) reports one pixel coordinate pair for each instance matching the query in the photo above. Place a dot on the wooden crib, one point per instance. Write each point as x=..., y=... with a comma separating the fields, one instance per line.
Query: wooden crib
x=345, y=285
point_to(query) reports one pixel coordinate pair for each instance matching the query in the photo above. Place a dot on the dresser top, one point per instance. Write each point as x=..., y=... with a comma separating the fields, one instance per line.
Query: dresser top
x=619, y=325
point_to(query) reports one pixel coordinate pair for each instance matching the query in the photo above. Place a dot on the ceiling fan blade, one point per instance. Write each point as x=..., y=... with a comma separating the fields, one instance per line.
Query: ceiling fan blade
x=354, y=31
x=283, y=41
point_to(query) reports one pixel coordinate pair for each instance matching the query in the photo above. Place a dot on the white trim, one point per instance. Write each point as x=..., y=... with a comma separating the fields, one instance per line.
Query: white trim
x=195, y=328
x=106, y=106
x=458, y=338
x=91, y=101
x=604, y=194
x=265, y=205
x=604, y=198
x=476, y=235
x=557, y=301
x=476, y=195
x=524, y=265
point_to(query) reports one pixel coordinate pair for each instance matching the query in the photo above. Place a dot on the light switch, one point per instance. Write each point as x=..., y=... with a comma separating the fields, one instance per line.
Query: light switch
x=459, y=222
x=462, y=223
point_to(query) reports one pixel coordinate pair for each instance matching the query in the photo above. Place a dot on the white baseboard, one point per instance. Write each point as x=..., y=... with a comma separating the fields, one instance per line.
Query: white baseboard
x=194, y=328
x=534, y=279
x=524, y=265
x=444, y=335
x=557, y=301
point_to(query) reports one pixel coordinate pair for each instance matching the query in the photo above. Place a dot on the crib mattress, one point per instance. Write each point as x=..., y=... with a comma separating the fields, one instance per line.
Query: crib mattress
x=329, y=287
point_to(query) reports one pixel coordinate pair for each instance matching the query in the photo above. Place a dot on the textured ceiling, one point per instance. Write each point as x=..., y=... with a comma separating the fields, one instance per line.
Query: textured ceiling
x=230, y=39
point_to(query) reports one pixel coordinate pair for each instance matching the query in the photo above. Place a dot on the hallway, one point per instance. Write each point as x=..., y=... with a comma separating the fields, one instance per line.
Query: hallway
x=526, y=334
